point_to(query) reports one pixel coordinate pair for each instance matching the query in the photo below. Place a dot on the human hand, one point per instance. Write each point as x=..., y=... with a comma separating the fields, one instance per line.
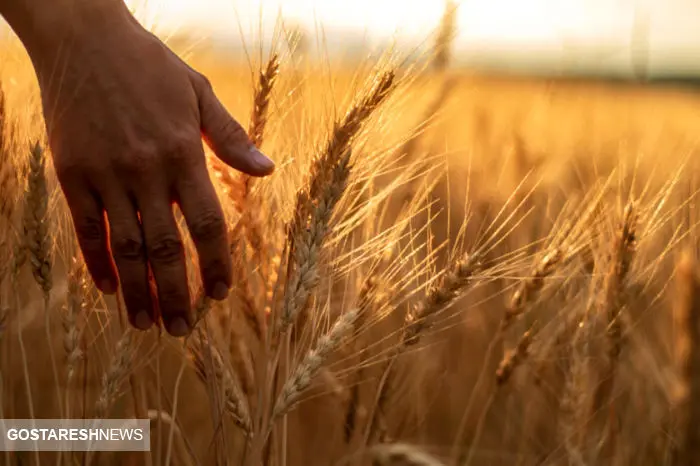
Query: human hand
x=125, y=118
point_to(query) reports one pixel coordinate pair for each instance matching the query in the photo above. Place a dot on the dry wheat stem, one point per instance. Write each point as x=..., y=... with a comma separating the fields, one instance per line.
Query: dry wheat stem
x=18, y=261
x=249, y=308
x=366, y=300
x=240, y=194
x=253, y=208
x=202, y=305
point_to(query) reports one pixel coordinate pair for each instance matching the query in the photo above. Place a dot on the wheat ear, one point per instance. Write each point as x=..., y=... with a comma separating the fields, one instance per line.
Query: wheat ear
x=455, y=281
x=529, y=289
x=308, y=243
x=75, y=308
x=38, y=244
x=315, y=203
x=309, y=367
x=514, y=358
x=612, y=306
x=236, y=403
x=116, y=374
x=36, y=230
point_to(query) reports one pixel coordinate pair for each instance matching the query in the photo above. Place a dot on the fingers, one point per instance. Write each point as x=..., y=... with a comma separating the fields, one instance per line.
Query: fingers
x=226, y=136
x=91, y=229
x=207, y=226
x=166, y=256
x=129, y=253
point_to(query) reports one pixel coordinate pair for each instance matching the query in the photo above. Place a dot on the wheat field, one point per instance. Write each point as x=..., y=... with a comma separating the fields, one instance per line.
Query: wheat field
x=447, y=268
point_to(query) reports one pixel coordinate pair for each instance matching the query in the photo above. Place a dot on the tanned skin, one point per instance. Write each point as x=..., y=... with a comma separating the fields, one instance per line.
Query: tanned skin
x=126, y=119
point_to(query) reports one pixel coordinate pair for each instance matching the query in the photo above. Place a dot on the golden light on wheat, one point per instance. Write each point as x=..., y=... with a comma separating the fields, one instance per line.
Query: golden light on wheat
x=446, y=269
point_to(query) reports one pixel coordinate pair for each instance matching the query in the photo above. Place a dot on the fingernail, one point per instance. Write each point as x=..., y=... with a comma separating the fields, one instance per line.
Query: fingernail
x=220, y=291
x=107, y=287
x=143, y=321
x=178, y=327
x=263, y=162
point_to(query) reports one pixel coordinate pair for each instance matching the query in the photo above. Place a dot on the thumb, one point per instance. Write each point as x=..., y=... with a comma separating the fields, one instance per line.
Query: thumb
x=226, y=136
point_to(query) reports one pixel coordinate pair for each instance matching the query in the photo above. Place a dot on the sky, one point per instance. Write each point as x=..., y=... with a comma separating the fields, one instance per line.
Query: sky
x=562, y=32
x=585, y=33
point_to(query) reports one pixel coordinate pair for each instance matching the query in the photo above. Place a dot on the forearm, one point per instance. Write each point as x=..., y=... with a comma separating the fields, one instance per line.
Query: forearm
x=44, y=25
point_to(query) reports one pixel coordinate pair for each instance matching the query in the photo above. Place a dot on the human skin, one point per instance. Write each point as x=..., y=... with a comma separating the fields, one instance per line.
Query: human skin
x=125, y=119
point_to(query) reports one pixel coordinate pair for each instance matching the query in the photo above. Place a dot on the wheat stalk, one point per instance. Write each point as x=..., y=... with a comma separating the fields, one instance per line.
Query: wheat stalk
x=514, y=358
x=74, y=310
x=308, y=243
x=345, y=133
x=451, y=285
x=312, y=363
x=116, y=374
x=612, y=306
x=530, y=288
x=37, y=243
x=36, y=229
x=261, y=102
x=455, y=281
x=236, y=403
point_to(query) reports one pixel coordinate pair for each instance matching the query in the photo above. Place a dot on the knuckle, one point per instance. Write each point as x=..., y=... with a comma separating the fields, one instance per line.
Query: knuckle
x=202, y=82
x=208, y=225
x=140, y=164
x=89, y=230
x=128, y=248
x=231, y=130
x=165, y=249
x=180, y=149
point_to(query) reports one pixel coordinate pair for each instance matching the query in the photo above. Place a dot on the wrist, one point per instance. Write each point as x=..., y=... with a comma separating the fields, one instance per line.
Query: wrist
x=47, y=26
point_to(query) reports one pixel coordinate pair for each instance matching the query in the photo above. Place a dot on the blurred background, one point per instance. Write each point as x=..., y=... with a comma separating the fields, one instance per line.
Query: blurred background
x=644, y=39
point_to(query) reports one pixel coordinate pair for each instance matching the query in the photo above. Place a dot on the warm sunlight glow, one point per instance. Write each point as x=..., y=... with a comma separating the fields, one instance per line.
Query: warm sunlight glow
x=499, y=21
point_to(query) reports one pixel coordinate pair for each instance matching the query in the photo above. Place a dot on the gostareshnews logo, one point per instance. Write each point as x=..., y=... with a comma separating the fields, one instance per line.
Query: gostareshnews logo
x=75, y=435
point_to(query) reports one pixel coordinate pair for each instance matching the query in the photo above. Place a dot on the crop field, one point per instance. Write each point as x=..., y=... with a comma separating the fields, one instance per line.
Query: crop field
x=446, y=268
